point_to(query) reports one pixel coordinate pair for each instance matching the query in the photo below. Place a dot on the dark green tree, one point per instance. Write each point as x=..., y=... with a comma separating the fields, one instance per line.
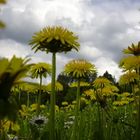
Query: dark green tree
x=65, y=80
x=109, y=77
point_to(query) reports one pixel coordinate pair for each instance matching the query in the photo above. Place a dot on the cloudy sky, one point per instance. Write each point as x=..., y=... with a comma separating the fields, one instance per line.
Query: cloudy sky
x=104, y=27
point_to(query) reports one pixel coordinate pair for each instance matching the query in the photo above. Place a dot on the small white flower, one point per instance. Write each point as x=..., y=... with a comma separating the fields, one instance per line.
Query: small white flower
x=72, y=117
x=69, y=122
x=39, y=121
x=12, y=137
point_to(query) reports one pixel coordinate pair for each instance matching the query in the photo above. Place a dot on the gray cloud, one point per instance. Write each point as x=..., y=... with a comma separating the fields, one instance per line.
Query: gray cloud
x=104, y=28
x=20, y=24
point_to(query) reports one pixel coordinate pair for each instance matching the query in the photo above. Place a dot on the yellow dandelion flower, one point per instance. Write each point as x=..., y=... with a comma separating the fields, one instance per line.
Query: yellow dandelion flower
x=54, y=39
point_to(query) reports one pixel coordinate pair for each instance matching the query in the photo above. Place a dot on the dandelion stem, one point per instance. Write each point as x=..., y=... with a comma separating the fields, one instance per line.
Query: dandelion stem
x=52, y=108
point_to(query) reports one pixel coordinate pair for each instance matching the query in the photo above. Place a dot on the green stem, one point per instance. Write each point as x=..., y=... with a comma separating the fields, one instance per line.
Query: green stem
x=0, y=128
x=52, y=100
x=28, y=99
x=39, y=96
x=100, y=128
x=138, y=108
x=75, y=134
x=78, y=97
x=19, y=94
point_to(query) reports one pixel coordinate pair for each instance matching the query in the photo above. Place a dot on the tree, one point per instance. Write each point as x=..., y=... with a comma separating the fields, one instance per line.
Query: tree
x=54, y=40
x=109, y=77
x=65, y=80
x=91, y=77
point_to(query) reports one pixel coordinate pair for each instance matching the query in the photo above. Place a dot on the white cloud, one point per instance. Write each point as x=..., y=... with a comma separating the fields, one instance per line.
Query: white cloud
x=8, y=48
x=106, y=64
x=89, y=52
